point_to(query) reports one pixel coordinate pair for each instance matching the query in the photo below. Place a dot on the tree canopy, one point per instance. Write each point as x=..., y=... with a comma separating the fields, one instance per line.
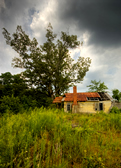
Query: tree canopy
x=15, y=95
x=11, y=84
x=116, y=94
x=97, y=86
x=48, y=67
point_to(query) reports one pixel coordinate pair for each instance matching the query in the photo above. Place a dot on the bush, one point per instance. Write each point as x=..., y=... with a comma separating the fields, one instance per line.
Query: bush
x=115, y=121
x=10, y=103
x=28, y=102
x=115, y=110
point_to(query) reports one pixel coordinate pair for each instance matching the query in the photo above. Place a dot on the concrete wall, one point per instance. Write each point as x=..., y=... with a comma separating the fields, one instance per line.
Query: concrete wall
x=116, y=104
x=89, y=106
x=107, y=106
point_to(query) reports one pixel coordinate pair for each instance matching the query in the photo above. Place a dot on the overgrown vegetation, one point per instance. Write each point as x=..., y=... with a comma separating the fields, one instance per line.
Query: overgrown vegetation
x=115, y=110
x=16, y=95
x=51, y=138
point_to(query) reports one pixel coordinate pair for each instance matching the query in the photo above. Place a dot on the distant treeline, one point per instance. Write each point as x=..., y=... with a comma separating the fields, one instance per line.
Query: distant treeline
x=16, y=95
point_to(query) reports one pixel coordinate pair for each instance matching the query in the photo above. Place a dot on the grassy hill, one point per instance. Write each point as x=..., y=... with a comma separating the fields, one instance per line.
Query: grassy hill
x=50, y=138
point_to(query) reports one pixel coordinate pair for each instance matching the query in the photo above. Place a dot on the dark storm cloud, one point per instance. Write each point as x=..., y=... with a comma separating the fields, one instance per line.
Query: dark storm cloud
x=101, y=18
x=18, y=12
x=13, y=13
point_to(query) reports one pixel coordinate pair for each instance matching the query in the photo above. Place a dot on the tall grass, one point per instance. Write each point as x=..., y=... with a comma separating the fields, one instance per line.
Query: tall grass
x=51, y=138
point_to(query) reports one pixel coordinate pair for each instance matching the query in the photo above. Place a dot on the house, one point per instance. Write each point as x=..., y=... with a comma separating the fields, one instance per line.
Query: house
x=86, y=102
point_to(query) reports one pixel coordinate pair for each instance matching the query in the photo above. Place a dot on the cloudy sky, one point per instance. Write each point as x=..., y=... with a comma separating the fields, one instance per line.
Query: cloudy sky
x=96, y=22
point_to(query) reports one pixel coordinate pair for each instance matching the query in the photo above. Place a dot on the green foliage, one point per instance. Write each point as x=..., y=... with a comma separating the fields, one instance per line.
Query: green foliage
x=16, y=104
x=22, y=129
x=12, y=84
x=116, y=94
x=11, y=104
x=115, y=110
x=28, y=102
x=48, y=67
x=93, y=161
x=97, y=86
x=116, y=121
x=15, y=86
x=6, y=78
x=48, y=138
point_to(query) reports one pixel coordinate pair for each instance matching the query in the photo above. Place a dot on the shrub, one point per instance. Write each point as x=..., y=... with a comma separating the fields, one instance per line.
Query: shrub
x=93, y=162
x=115, y=110
x=10, y=103
x=28, y=101
x=115, y=121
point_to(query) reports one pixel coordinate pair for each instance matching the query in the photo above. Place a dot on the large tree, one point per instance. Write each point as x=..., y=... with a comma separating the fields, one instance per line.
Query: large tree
x=48, y=67
x=97, y=86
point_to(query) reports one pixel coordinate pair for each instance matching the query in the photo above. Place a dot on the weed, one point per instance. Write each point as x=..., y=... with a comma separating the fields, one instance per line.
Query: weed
x=51, y=138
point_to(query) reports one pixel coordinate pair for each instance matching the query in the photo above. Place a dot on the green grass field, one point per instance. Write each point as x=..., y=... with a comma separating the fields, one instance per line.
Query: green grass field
x=50, y=138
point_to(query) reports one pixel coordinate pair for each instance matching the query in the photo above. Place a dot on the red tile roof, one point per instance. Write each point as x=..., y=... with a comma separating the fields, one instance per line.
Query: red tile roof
x=57, y=100
x=81, y=96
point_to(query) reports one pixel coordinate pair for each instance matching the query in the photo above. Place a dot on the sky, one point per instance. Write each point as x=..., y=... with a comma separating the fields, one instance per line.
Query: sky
x=95, y=22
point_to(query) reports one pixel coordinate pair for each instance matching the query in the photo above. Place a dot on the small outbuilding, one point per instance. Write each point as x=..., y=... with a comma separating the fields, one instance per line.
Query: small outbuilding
x=85, y=102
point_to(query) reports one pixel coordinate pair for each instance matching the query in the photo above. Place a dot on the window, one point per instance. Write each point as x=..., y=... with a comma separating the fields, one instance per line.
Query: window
x=68, y=107
x=93, y=98
x=96, y=106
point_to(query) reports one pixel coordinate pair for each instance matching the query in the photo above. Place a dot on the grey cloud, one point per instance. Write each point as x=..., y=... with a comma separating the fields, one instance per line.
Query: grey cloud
x=18, y=13
x=13, y=13
x=101, y=18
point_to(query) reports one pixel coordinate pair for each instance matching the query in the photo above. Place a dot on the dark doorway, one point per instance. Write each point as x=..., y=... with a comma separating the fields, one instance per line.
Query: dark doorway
x=100, y=106
x=59, y=105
